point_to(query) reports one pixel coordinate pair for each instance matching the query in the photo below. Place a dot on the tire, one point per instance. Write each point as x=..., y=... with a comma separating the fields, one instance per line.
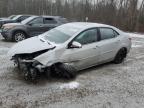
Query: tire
x=121, y=55
x=17, y=62
x=64, y=71
x=19, y=36
x=31, y=74
x=48, y=73
x=0, y=25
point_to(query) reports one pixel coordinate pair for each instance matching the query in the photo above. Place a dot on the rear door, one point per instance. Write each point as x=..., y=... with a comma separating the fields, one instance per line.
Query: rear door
x=36, y=26
x=108, y=44
x=49, y=23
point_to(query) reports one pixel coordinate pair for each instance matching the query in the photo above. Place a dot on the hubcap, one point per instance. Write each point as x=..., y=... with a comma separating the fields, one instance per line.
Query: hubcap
x=19, y=37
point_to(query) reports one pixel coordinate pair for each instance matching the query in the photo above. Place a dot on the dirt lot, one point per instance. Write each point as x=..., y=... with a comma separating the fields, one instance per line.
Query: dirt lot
x=105, y=86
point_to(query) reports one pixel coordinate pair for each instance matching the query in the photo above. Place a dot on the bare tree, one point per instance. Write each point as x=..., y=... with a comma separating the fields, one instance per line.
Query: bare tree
x=125, y=14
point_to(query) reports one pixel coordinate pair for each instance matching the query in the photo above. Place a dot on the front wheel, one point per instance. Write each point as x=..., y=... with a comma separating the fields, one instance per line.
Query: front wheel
x=0, y=25
x=121, y=55
x=19, y=36
x=64, y=71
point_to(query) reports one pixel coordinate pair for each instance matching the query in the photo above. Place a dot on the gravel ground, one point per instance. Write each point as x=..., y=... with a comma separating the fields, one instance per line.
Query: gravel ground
x=105, y=86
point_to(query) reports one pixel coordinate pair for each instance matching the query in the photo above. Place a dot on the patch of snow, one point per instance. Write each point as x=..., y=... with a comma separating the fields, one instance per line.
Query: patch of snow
x=71, y=85
x=140, y=57
x=136, y=46
x=3, y=50
x=136, y=35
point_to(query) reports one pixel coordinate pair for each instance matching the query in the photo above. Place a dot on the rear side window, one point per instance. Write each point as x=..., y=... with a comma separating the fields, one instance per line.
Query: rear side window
x=87, y=37
x=107, y=33
x=50, y=21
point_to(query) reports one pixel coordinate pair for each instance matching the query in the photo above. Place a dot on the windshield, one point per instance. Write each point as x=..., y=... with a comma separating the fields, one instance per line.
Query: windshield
x=12, y=16
x=60, y=34
x=28, y=20
x=16, y=17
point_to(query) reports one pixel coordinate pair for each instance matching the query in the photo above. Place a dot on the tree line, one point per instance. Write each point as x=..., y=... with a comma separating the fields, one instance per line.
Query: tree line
x=125, y=14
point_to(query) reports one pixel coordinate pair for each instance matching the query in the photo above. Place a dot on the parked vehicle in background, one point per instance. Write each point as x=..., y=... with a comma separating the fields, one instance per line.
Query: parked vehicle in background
x=10, y=17
x=69, y=48
x=30, y=27
x=13, y=19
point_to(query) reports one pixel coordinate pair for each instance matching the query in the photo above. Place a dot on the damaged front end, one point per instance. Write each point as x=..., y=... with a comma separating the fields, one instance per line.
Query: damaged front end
x=40, y=57
x=29, y=67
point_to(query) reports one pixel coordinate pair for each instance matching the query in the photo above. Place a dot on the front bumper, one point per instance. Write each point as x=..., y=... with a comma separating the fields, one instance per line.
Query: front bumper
x=7, y=35
x=26, y=64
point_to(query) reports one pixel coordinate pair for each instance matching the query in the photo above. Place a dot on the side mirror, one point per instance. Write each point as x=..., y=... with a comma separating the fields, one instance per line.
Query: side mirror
x=76, y=45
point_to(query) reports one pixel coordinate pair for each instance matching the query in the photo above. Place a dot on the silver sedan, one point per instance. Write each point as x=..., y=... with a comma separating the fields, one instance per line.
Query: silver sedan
x=71, y=47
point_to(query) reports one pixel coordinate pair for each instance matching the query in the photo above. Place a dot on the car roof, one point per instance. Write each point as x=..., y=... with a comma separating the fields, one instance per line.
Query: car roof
x=24, y=15
x=53, y=16
x=86, y=25
x=33, y=16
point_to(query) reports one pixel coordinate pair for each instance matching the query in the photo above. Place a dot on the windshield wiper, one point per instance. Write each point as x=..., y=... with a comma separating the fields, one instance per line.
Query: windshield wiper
x=41, y=39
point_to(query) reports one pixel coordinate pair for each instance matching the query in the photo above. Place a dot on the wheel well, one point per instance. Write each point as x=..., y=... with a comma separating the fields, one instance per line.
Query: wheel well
x=58, y=63
x=52, y=67
x=20, y=31
x=124, y=49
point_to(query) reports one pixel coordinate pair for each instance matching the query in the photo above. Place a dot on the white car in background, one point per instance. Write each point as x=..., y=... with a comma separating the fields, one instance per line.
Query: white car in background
x=69, y=48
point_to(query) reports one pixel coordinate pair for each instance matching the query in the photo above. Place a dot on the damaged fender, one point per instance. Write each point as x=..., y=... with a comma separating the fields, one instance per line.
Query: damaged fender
x=51, y=57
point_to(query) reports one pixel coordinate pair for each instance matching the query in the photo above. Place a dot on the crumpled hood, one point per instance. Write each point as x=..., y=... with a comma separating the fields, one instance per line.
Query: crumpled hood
x=28, y=46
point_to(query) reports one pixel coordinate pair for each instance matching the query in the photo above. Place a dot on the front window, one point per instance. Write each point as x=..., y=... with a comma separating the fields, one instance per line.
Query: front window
x=28, y=20
x=37, y=21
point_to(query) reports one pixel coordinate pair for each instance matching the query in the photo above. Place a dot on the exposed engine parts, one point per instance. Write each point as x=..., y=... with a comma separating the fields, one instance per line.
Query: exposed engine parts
x=32, y=69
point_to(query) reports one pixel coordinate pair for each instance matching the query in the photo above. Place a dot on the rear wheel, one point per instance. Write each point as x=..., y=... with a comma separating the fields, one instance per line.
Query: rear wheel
x=19, y=36
x=121, y=55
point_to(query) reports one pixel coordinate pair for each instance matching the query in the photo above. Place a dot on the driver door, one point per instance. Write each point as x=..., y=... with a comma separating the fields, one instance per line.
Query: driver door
x=36, y=26
x=86, y=56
